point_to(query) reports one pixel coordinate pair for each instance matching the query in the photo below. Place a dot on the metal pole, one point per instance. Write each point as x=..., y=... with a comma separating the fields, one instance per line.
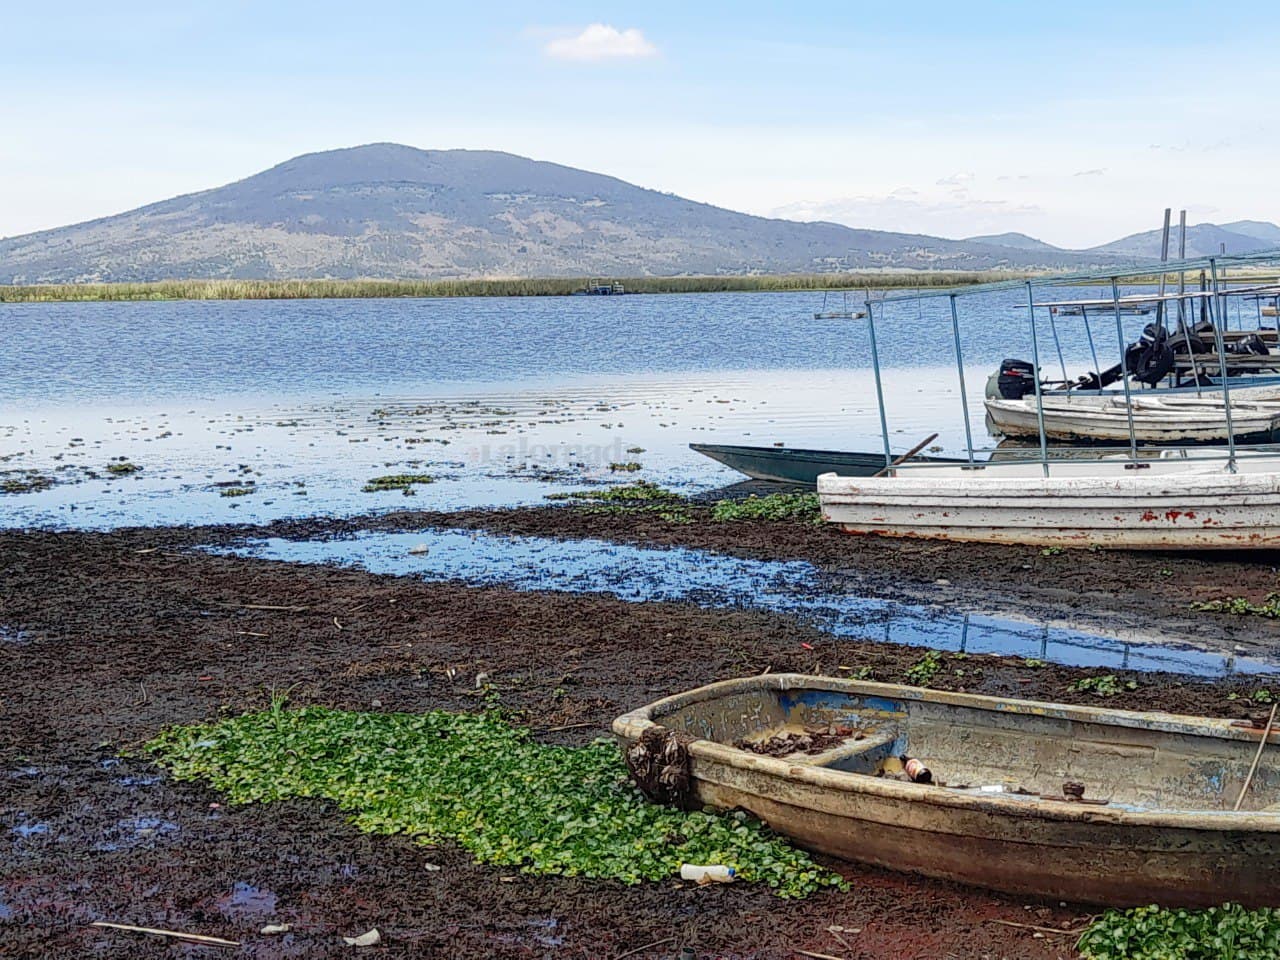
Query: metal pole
x=1053, y=327
x=1035, y=378
x=875, y=366
x=1097, y=367
x=1164, y=258
x=1222, y=361
x=1124, y=371
x=964, y=398
x=1183, y=313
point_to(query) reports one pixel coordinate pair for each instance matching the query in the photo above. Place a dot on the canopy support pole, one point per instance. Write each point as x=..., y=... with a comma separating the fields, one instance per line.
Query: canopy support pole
x=964, y=397
x=1124, y=371
x=1035, y=378
x=875, y=366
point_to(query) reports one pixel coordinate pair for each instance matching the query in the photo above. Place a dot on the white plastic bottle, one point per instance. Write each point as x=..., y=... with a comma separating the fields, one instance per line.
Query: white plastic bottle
x=711, y=873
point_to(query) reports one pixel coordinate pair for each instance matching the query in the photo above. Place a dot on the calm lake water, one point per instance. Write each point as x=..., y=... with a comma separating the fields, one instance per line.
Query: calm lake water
x=295, y=405
x=501, y=400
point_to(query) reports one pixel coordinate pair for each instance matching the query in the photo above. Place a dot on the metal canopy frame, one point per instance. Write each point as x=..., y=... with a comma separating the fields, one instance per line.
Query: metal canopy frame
x=1214, y=300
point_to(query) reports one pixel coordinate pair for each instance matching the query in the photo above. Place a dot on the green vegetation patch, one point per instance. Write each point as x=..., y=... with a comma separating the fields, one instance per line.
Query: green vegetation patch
x=403, y=482
x=26, y=483
x=775, y=506
x=1107, y=685
x=1229, y=932
x=629, y=466
x=235, y=491
x=483, y=783
x=122, y=468
x=1239, y=606
x=922, y=672
x=638, y=492
x=515, y=287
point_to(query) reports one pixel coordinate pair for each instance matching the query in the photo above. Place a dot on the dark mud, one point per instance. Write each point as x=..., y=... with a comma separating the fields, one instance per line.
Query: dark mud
x=108, y=637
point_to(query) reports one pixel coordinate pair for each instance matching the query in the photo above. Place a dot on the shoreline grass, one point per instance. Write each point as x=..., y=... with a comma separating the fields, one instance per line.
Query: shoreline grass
x=528, y=287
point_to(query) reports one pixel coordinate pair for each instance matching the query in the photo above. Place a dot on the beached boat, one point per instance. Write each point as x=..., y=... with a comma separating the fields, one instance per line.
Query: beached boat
x=795, y=466
x=1176, y=501
x=1157, y=417
x=816, y=758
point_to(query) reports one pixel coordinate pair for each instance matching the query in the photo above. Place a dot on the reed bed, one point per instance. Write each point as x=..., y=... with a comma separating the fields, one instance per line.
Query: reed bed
x=530, y=287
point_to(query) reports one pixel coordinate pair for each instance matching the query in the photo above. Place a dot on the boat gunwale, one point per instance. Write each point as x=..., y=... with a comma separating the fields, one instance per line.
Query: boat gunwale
x=630, y=725
x=1212, y=478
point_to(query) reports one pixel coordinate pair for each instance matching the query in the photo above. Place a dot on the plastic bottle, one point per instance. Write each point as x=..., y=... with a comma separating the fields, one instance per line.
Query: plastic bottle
x=716, y=873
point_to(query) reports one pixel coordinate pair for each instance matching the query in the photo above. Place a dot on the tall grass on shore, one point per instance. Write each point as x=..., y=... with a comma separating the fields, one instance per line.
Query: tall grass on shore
x=532, y=287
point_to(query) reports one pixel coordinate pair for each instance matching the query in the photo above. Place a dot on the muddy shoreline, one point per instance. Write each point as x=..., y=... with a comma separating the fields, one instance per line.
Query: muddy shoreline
x=109, y=637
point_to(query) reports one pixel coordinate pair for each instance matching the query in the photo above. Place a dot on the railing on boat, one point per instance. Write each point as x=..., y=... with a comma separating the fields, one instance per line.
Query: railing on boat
x=1212, y=302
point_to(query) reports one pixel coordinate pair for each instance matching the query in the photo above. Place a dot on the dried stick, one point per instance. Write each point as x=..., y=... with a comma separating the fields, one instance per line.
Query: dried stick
x=1266, y=735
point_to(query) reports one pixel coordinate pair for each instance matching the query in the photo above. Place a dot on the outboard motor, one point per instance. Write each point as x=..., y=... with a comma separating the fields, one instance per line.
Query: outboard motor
x=1016, y=379
x=1151, y=359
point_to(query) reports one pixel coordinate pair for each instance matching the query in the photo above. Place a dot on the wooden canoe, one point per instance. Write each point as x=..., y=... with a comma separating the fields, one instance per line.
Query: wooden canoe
x=1186, y=502
x=1165, y=834
x=796, y=466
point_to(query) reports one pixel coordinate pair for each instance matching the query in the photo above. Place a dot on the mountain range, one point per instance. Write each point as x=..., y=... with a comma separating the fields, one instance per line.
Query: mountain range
x=391, y=211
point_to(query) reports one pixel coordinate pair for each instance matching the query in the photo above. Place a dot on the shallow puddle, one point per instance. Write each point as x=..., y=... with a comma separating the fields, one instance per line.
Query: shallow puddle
x=638, y=575
x=247, y=901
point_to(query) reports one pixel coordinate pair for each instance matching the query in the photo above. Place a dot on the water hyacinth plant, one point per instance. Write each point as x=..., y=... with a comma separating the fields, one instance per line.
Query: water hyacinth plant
x=1229, y=932
x=484, y=784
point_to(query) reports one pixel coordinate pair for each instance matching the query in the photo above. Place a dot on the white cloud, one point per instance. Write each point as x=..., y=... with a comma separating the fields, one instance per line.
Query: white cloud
x=601, y=41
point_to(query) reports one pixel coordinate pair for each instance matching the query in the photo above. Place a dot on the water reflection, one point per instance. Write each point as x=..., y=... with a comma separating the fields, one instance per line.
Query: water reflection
x=832, y=603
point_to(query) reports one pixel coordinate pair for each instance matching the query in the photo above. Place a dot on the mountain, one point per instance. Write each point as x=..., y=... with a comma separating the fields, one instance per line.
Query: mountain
x=1018, y=241
x=1203, y=240
x=386, y=210
x=1260, y=229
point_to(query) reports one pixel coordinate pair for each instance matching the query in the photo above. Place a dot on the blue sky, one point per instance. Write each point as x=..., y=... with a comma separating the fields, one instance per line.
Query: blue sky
x=1075, y=124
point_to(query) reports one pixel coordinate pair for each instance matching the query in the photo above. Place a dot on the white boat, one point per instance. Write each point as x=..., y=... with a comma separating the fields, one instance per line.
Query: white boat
x=1178, y=501
x=1167, y=419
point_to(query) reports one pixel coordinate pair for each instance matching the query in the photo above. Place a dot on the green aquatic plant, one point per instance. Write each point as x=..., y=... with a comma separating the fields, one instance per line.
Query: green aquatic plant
x=26, y=483
x=775, y=506
x=1229, y=932
x=639, y=492
x=482, y=783
x=403, y=482
x=1241, y=606
x=630, y=466
x=235, y=491
x=676, y=515
x=122, y=468
x=1107, y=685
x=922, y=672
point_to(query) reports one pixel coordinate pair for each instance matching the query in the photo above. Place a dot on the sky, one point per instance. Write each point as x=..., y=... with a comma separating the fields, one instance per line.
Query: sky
x=1076, y=124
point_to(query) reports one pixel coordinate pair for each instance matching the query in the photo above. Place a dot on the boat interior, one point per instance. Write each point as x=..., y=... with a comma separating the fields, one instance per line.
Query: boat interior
x=1129, y=761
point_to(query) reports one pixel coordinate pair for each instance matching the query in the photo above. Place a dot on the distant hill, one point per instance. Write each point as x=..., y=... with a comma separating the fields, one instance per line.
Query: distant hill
x=1260, y=229
x=392, y=211
x=1203, y=240
x=1018, y=241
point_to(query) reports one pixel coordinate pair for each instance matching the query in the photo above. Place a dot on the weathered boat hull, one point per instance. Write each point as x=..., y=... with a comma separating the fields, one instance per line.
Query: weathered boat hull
x=1176, y=420
x=1110, y=854
x=1146, y=509
x=795, y=466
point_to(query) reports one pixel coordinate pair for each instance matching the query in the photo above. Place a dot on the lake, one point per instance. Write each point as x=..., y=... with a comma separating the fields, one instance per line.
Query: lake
x=501, y=399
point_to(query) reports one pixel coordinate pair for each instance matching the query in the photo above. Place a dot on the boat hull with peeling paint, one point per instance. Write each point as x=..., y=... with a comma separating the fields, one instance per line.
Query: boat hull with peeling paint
x=1165, y=834
x=1157, y=418
x=1173, y=503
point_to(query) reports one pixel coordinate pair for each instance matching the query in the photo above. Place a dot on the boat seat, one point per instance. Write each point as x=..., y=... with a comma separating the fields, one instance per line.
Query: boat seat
x=854, y=756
